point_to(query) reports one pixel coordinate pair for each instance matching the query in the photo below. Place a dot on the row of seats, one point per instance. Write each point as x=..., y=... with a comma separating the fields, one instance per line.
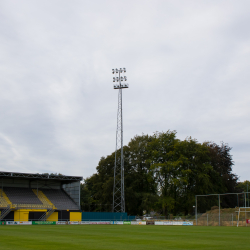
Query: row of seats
x=60, y=199
x=22, y=196
x=26, y=196
x=4, y=201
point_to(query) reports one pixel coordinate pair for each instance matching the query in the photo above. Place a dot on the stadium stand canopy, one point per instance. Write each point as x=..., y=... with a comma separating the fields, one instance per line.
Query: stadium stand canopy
x=25, y=196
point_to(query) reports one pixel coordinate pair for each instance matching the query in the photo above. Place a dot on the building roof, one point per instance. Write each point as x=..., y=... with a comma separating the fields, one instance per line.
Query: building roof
x=40, y=176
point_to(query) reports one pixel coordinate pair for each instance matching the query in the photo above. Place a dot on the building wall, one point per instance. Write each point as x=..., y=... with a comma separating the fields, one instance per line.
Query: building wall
x=53, y=217
x=23, y=214
x=75, y=216
x=106, y=216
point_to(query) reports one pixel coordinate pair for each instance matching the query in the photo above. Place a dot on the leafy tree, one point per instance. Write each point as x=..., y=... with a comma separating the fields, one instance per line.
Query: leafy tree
x=163, y=173
x=243, y=186
x=222, y=162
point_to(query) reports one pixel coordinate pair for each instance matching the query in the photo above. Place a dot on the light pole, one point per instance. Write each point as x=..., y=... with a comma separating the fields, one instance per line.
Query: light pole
x=118, y=189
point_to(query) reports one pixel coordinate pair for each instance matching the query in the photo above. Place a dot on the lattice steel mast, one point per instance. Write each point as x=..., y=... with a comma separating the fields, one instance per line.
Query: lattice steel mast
x=118, y=189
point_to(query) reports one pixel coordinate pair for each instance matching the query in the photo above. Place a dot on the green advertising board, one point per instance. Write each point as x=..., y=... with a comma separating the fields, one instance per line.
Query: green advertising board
x=126, y=222
x=43, y=223
x=2, y=223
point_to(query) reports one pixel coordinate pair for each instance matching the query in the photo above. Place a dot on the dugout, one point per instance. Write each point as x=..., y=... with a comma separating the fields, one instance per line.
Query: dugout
x=26, y=197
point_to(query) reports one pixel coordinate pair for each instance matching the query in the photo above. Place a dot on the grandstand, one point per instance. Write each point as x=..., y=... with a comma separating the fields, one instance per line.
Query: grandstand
x=26, y=197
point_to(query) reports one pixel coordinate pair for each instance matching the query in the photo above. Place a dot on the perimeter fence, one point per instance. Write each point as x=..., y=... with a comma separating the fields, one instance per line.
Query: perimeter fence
x=216, y=219
x=205, y=219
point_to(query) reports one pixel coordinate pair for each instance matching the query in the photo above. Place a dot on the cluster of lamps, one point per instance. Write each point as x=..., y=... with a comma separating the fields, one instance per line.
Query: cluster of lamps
x=119, y=78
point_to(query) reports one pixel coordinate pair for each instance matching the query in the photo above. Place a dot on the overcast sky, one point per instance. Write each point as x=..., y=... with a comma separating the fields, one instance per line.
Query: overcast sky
x=188, y=69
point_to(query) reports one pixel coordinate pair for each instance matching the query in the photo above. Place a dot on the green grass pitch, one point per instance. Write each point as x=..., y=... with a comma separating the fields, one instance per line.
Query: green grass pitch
x=122, y=237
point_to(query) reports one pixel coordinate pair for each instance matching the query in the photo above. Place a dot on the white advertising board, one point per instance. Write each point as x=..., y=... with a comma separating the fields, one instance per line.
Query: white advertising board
x=61, y=222
x=142, y=222
x=85, y=222
x=93, y=222
x=159, y=223
x=134, y=222
x=12, y=222
x=167, y=223
x=25, y=222
x=97, y=222
x=104, y=222
x=177, y=223
x=187, y=223
x=73, y=222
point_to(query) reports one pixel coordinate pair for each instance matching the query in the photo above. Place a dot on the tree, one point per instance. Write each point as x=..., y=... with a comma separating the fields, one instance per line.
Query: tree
x=163, y=173
x=222, y=162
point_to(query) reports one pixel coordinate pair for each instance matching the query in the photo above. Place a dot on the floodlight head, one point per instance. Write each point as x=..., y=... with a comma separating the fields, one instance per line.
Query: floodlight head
x=124, y=69
x=121, y=70
x=125, y=78
x=116, y=70
x=113, y=79
x=113, y=71
x=117, y=79
x=121, y=78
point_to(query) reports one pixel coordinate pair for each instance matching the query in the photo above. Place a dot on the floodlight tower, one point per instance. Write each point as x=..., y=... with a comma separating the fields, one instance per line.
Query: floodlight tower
x=118, y=189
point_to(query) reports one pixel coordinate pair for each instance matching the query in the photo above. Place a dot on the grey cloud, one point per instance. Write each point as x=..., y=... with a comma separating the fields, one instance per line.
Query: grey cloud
x=187, y=66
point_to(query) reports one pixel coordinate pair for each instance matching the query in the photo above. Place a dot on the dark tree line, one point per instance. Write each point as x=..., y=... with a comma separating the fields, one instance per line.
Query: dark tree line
x=163, y=174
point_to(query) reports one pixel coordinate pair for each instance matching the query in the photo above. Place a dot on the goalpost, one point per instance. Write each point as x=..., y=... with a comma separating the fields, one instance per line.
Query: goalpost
x=245, y=211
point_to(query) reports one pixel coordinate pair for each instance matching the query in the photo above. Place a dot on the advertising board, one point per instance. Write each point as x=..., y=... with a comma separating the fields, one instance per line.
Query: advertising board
x=96, y=222
x=25, y=222
x=247, y=221
x=119, y=222
x=12, y=222
x=142, y=222
x=150, y=222
x=73, y=222
x=159, y=223
x=2, y=223
x=126, y=222
x=167, y=223
x=177, y=223
x=134, y=222
x=61, y=223
x=103, y=222
x=43, y=223
x=187, y=223
x=85, y=222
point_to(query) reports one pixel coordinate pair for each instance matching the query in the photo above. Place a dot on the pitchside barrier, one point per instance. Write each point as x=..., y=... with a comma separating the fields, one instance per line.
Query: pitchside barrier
x=157, y=223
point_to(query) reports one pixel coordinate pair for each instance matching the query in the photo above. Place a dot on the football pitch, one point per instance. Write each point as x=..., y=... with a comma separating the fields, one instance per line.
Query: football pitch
x=123, y=237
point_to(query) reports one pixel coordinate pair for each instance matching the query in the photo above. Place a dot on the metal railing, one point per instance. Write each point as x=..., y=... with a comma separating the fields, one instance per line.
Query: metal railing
x=216, y=219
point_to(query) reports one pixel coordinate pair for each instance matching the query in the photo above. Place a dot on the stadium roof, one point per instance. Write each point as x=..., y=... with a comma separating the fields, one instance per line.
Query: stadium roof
x=40, y=176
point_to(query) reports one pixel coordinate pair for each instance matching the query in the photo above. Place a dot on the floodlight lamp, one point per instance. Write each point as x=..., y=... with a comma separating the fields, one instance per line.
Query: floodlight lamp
x=117, y=79
x=121, y=70
x=113, y=71
x=121, y=78
x=125, y=78
x=124, y=69
x=113, y=79
x=116, y=70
